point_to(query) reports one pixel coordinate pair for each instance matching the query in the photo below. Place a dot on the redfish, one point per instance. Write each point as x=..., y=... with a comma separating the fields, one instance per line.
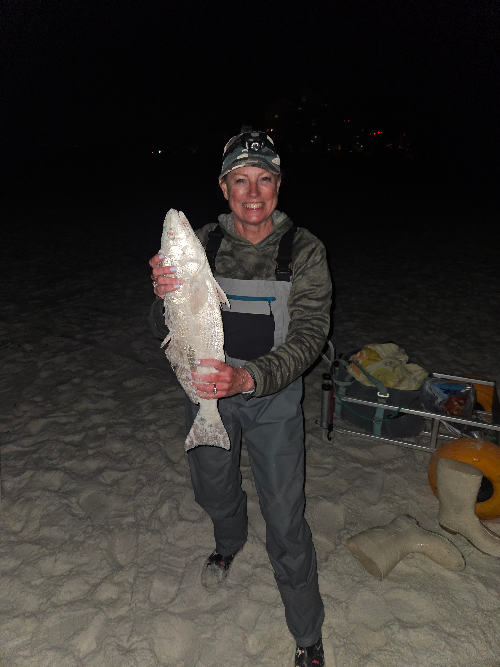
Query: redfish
x=193, y=317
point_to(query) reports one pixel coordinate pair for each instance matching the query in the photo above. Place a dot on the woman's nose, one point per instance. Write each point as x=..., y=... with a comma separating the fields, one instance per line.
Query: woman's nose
x=253, y=189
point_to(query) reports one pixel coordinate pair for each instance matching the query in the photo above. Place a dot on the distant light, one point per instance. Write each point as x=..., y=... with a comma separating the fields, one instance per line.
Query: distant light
x=276, y=115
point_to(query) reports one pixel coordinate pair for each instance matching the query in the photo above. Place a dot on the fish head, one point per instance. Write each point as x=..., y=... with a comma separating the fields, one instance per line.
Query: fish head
x=180, y=245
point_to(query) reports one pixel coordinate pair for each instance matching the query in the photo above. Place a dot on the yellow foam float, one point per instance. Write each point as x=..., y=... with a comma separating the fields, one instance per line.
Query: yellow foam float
x=481, y=454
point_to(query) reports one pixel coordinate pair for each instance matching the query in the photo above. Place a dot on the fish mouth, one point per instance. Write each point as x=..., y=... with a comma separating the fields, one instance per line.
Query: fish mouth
x=253, y=206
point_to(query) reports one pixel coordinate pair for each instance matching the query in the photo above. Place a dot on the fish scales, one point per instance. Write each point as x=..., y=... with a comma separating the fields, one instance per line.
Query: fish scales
x=193, y=317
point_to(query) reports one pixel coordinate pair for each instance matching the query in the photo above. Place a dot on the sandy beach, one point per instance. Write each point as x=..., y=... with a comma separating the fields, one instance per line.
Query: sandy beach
x=101, y=542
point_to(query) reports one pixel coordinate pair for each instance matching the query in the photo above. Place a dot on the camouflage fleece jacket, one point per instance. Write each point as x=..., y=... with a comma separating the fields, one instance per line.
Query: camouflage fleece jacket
x=308, y=305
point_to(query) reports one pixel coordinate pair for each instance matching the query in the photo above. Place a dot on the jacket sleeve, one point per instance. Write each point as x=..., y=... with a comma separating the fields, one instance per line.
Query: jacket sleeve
x=156, y=319
x=309, y=307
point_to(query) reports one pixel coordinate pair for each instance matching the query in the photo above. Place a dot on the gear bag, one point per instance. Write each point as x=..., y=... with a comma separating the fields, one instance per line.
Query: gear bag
x=378, y=421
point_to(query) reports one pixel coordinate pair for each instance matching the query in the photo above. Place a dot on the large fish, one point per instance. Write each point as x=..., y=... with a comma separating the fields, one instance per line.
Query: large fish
x=193, y=317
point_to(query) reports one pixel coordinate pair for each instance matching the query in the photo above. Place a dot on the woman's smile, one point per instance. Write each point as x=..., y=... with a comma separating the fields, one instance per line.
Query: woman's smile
x=252, y=194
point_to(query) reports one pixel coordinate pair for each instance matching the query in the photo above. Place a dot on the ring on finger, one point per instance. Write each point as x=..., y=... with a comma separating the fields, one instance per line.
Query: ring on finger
x=215, y=389
x=155, y=284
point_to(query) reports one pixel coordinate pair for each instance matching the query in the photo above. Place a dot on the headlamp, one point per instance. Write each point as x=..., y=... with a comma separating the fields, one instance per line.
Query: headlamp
x=250, y=141
x=252, y=148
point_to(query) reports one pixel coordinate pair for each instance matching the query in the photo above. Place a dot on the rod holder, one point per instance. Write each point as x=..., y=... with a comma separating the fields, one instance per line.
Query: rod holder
x=326, y=390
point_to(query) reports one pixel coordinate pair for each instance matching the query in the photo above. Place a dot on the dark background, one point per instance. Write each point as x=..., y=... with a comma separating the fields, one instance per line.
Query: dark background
x=376, y=108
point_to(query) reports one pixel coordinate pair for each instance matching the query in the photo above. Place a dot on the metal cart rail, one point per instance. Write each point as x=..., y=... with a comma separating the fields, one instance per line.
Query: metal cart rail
x=481, y=421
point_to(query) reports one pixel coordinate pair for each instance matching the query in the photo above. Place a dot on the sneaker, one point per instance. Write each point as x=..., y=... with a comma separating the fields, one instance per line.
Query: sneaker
x=215, y=570
x=310, y=656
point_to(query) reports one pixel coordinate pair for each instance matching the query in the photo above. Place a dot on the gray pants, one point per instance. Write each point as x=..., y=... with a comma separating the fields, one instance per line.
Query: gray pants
x=273, y=430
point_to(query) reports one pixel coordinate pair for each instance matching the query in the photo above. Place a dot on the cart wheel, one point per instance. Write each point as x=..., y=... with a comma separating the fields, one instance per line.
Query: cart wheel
x=483, y=455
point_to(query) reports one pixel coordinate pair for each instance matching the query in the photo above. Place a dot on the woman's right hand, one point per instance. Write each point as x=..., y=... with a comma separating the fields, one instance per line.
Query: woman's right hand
x=164, y=277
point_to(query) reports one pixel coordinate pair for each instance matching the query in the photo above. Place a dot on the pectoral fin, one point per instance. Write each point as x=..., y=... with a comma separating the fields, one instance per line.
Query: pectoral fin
x=198, y=297
x=221, y=294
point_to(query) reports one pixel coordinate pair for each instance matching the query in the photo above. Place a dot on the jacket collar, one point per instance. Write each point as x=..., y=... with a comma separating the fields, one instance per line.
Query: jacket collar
x=281, y=223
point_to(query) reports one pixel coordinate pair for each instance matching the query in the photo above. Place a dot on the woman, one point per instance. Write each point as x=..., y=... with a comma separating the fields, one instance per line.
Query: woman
x=277, y=280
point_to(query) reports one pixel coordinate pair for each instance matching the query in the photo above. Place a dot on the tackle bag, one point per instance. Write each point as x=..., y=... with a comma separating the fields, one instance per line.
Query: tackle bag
x=375, y=420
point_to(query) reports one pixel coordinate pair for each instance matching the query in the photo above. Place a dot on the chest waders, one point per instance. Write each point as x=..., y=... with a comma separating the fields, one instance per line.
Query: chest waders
x=256, y=324
x=257, y=321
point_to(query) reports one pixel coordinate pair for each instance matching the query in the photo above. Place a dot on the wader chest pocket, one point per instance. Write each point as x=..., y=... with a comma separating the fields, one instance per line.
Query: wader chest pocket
x=248, y=326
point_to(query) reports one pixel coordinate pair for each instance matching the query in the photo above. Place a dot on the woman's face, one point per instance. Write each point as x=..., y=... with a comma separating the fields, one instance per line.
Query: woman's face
x=252, y=194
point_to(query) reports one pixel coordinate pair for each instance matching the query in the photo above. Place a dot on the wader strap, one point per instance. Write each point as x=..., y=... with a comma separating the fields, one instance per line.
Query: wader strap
x=213, y=244
x=284, y=257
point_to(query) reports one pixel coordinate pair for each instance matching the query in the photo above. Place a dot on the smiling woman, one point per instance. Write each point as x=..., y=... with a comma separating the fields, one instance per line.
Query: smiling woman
x=276, y=278
x=250, y=180
x=252, y=194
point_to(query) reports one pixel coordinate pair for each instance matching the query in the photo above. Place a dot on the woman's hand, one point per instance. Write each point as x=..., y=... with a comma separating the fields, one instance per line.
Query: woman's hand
x=163, y=277
x=225, y=381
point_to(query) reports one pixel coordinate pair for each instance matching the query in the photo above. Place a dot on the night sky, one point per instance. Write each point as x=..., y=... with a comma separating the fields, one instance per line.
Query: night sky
x=108, y=73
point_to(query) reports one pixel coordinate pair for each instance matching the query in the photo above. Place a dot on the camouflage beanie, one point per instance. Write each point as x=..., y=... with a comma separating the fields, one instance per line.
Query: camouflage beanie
x=250, y=149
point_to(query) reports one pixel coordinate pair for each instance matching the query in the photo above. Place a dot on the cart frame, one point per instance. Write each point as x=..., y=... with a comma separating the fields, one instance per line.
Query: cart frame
x=434, y=421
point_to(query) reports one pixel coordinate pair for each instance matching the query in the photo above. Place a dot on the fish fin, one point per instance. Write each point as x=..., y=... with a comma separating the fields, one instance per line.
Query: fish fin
x=222, y=295
x=197, y=297
x=167, y=340
x=207, y=432
x=166, y=313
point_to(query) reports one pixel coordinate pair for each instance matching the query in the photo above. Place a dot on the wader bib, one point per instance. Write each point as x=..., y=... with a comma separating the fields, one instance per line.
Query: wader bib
x=257, y=323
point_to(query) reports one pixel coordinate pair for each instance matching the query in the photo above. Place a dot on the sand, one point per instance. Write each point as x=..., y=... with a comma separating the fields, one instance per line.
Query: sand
x=101, y=542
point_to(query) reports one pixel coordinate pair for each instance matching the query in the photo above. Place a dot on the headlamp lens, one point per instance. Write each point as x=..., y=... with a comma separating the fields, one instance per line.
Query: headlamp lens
x=251, y=141
x=254, y=146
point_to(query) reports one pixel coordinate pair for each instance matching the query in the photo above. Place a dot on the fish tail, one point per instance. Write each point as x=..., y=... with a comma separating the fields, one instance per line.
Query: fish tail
x=207, y=429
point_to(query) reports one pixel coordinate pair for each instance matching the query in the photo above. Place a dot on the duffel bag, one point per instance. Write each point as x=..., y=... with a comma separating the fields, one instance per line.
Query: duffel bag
x=376, y=420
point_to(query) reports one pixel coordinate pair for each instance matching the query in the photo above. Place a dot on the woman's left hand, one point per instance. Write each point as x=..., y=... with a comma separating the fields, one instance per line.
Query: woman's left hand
x=225, y=381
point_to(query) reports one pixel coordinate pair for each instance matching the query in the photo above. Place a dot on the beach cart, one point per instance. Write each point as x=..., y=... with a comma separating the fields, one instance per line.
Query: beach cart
x=379, y=417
